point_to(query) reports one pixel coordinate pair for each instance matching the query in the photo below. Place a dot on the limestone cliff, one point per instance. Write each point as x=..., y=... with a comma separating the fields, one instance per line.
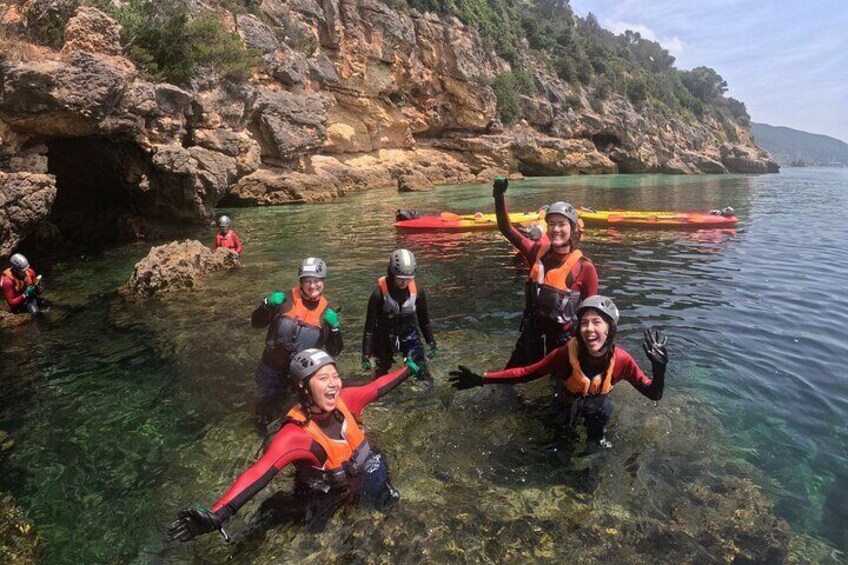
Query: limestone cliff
x=351, y=95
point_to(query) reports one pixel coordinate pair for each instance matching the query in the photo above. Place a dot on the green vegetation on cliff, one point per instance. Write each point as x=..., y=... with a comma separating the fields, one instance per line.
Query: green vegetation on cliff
x=580, y=51
x=167, y=44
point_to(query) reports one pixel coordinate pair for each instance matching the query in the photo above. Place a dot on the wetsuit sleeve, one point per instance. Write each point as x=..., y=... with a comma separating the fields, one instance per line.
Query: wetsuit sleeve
x=12, y=298
x=215, y=244
x=371, y=318
x=554, y=359
x=587, y=280
x=262, y=316
x=525, y=245
x=290, y=444
x=424, y=318
x=237, y=241
x=358, y=397
x=627, y=369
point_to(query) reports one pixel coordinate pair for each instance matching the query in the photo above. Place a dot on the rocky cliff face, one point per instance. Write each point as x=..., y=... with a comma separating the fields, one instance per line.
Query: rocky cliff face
x=352, y=95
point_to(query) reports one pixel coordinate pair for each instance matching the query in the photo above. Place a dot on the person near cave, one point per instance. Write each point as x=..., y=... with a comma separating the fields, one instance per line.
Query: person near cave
x=22, y=287
x=560, y=277
x=227, y=238
x=586, y=369
x=323, y=439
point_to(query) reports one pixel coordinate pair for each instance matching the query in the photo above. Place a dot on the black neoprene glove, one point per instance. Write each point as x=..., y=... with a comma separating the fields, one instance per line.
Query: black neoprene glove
x=499, y=187
x=654, y=345
x=192, y=522
x=464, y=378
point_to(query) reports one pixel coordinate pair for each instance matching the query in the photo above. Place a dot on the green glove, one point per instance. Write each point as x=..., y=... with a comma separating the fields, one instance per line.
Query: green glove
x=276, y=299
x=331, y=318
x=499, y=187
x=433, y=351
x=366, y=363
x=413, y=366
x=30, y=291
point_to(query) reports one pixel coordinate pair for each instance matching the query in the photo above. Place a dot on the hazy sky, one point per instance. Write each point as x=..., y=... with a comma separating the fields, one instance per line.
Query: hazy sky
x=787, y=60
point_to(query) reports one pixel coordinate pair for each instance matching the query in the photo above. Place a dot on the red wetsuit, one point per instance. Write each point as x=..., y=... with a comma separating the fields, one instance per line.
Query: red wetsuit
x=13, y=287
x=293, y=445
x=229, y=240
x=557, y=364
x=584, y=275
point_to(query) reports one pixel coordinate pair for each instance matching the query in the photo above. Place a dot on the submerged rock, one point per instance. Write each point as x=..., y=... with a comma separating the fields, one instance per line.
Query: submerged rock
x=175, y=266
x=19, y=542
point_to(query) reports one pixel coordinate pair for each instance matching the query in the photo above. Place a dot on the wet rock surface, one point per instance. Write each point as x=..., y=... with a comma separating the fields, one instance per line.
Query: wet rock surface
x=19, y=542
x=176, y=266
x=25, y=200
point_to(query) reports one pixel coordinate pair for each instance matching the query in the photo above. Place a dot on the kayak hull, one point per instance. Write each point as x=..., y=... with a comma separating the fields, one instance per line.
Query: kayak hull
x=596, y=218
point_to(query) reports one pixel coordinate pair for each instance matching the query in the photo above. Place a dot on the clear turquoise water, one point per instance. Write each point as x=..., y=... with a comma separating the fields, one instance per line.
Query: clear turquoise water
x=125, y=411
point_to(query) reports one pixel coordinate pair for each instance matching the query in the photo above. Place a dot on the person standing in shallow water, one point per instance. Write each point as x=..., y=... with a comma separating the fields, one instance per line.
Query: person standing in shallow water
x=560, y=277
x=22, y=287
x=321, y=436
x=393, y=310
x=227, y=238
x=592, y=352
x=296, y=322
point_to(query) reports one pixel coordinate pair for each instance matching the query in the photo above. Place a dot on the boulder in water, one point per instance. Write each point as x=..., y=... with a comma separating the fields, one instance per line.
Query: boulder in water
x=175, y=266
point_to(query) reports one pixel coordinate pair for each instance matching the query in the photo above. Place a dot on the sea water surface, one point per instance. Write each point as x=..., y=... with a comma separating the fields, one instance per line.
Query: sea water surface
x=124, y=411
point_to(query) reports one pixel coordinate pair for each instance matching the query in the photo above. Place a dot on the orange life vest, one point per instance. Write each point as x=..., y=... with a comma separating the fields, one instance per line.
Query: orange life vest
x=556, y=278
x=299, y=311
x=579, y=383
x=344, y=457
x=20, y=285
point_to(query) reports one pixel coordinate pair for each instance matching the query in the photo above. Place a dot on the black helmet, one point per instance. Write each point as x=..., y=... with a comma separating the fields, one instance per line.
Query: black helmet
x=312, y=267
x=402, y=264
x=306, y=363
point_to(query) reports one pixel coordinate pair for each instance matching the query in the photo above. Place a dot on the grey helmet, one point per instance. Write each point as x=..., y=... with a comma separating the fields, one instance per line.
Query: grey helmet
x=19, y=262
x=312, y=267
x=564, y=209
x=602, y=304
x=402, y=264
x=307, y=362
x=224, y=222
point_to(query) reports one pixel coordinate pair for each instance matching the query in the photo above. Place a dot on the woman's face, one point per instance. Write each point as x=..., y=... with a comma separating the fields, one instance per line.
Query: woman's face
x=324, y=386
x=559, y=230
x=594, y=331
x=402, y=283
x=312, y=287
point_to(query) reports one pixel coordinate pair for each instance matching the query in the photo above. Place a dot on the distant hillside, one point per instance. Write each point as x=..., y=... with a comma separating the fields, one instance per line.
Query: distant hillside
x=788, y=146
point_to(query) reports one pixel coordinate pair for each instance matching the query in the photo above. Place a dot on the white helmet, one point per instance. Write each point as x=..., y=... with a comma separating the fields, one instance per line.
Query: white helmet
x=312, y=267
x=402, y=264
x=224, y=222
x=19, y=262
x=307, y=362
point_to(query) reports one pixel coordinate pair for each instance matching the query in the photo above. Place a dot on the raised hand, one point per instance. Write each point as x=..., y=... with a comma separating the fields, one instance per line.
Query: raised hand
x=654, y=345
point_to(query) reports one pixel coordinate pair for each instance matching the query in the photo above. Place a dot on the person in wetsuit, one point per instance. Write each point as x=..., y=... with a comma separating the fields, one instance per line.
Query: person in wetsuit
x=227, y=238
x=321, y=436
x=560, y=277
x=22, y=287
x=393, y=310
x=296, y=322
x=587, y=368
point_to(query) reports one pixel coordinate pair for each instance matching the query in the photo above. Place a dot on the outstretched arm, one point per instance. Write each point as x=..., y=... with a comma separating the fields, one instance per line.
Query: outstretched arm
x=289, y=445
x=515, y=237
x=531, y=372
x=358, y=397
x=626, y=367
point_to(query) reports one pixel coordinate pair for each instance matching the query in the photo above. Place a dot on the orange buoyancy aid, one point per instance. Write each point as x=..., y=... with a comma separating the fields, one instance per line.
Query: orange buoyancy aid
x=579, y=383
x=552, y=296
x=345, y=457
x=299, y=311
x=20, y=285
x=300, y=327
